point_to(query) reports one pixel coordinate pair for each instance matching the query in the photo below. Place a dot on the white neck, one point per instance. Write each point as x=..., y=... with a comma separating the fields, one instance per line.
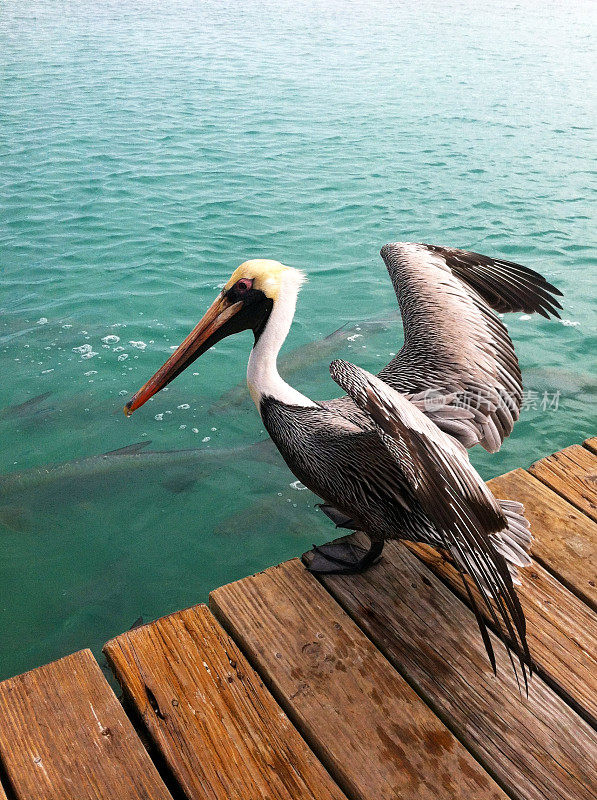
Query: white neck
x=263, y=378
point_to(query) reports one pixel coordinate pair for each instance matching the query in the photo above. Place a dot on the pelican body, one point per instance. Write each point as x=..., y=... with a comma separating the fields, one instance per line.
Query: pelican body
x=389, y=457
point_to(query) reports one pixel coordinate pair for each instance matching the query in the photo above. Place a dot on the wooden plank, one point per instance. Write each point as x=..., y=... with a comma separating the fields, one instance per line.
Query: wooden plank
x=2, y=793
x=536, y=748
x=366, y=724
x=572, y=473
x=565, y=540
x=219, y=730
x=591, y=444
x=561, y=629
x=65, y=736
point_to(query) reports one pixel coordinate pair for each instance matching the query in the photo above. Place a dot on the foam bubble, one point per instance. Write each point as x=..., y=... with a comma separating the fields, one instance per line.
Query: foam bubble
x=41, y=321
x=111, y=339
x=123, y=356
x=138, y=345
x=85, y=351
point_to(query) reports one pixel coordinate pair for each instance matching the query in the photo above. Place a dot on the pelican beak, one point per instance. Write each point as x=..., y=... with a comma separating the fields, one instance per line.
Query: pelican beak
x=218, y=322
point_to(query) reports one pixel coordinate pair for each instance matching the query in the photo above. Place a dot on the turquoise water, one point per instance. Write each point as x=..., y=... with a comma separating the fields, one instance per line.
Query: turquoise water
x=146, y=150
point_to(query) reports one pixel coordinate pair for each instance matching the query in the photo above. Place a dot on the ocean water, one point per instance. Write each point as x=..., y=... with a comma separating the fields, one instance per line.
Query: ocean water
x=146, y=149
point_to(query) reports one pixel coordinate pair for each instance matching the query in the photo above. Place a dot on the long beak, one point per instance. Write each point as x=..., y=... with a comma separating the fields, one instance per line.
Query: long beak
x=210, y=330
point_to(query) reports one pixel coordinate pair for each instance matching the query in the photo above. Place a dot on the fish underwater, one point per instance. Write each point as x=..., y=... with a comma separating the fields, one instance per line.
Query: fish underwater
x=26, y=409
x=567, y=382
x=306, y=355
x=51, y=411
x=276, y=513
x=175, y=470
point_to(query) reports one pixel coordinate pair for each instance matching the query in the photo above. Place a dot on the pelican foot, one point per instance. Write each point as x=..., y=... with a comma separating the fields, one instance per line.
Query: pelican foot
x=341, y=558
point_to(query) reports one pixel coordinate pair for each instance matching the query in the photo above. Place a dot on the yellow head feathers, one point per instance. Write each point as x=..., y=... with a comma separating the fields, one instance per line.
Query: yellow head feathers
x=267, y=276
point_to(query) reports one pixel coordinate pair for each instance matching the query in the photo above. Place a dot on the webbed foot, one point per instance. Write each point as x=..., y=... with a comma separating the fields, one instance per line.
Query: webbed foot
x=341, y=558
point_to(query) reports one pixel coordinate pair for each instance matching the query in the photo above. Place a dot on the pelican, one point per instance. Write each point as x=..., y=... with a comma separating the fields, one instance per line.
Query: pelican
x=389, y=458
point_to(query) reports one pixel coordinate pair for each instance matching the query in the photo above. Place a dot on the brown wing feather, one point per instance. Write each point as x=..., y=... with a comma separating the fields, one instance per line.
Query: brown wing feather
x=454, y=342
x=450, y=492
x=504, y=285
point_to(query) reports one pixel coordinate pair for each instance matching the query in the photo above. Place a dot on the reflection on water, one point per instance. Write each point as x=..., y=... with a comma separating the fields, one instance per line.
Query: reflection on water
x=148, y=149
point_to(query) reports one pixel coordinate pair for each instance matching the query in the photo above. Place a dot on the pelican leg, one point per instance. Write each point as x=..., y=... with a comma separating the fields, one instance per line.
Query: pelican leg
x=341, y=558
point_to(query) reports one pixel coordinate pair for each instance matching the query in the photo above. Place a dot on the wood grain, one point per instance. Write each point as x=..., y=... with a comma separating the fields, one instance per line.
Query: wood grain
x=376, y=737
x=561, y=629
x=572, y=473
x=591, y=444
x=219, y=730
x=65, y=736
x=538, y=749
x=565, y=539
x=2, y=793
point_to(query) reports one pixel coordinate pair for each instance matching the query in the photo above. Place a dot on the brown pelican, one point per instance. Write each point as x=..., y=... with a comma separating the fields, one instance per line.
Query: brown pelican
x=389, y=458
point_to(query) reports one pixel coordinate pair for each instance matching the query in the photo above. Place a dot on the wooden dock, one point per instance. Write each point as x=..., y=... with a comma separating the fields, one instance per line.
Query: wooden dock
x=368, y=687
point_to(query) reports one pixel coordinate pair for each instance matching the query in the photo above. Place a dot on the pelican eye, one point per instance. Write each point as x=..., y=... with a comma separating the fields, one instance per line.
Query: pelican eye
x=241, y=288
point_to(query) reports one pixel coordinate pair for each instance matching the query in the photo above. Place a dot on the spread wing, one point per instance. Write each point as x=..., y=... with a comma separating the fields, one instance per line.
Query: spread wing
x=450, y=492
x=454, y=342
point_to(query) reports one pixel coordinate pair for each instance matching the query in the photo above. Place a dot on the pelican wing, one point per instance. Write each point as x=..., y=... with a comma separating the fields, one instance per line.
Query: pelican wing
x=454, y=342
x=449, y=491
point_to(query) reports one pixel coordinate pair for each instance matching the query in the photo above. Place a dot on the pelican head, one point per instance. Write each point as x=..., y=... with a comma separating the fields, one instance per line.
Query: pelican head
x=245, y=302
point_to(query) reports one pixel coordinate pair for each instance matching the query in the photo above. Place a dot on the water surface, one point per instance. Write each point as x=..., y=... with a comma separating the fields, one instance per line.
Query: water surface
x=146, y=149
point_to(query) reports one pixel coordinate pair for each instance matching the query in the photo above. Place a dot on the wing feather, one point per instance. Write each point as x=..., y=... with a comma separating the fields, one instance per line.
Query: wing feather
x=504, y=285
x=450, y=492
x=454, y=341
